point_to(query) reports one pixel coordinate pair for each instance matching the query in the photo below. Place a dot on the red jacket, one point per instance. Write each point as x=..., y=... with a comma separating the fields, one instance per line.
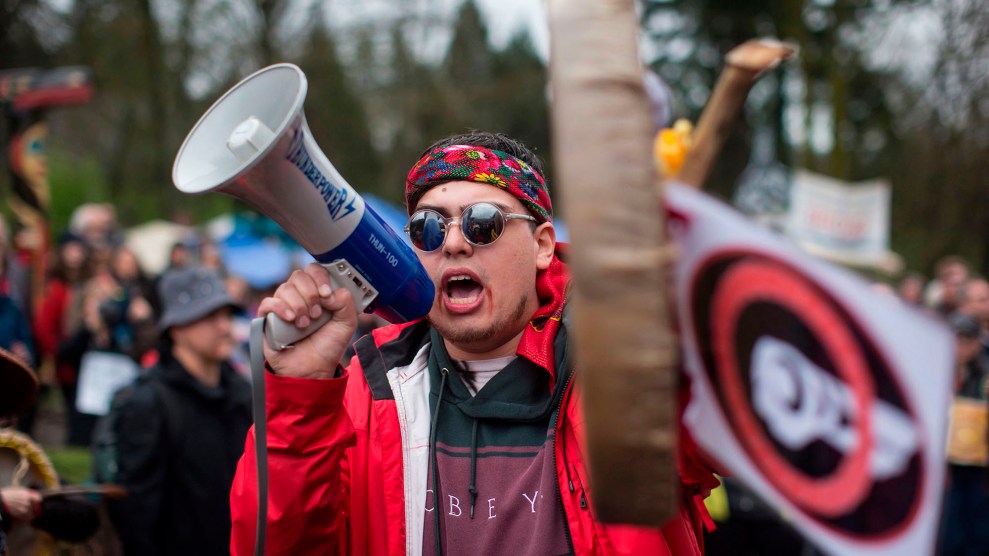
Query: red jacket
x=348, y=462
x=49, y=328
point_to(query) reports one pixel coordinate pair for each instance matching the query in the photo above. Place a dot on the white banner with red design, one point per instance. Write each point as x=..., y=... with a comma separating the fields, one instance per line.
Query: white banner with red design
x=827, y=399
x=847, y=223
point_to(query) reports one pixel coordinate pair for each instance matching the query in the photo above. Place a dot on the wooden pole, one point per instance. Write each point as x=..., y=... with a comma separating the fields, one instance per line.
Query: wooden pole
x=626, y=352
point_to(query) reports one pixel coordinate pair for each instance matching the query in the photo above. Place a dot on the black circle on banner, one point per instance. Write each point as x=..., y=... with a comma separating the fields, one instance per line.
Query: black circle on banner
x=740, y=300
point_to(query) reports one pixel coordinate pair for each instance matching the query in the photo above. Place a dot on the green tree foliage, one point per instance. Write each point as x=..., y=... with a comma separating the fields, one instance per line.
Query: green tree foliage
x=413, y=107
x=130, y=128
x=335, y=113
x=828, y=68
x=474, y=86
x=503, y=91
x=373, y=111
x=468, y=71
x=495, y=90
x=20, y=39
x=941, y=194
x=377, y=97
x=877, y=122
x=519, y=97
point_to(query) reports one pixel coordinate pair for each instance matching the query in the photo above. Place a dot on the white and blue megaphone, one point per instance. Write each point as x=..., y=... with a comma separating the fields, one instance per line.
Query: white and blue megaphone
x=254, y=144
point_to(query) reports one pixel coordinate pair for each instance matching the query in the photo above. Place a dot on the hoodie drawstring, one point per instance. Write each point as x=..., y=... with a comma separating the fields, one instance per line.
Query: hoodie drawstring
x=472, y=488
x=432, y=454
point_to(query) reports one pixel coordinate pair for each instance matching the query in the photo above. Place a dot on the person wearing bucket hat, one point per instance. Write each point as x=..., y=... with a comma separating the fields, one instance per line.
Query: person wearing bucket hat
x=188, y=294
x=458, y=433
x=178, y=462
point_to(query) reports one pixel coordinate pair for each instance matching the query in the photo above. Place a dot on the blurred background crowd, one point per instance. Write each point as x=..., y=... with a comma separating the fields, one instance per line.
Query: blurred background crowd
x=99, y=322
x=99, y=296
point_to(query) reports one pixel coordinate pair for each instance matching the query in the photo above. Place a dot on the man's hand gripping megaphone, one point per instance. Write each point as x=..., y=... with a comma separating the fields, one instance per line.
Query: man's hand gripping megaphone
x=307, y=296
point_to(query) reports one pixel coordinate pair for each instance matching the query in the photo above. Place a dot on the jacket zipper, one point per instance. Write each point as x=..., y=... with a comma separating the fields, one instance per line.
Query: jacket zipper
x=559, y=492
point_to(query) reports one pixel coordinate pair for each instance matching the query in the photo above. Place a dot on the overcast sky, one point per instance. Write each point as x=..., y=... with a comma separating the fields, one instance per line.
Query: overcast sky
x=506, y=16
x=502, y=17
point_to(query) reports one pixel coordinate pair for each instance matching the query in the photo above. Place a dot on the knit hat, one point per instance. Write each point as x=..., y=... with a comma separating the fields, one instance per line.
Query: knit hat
x=481, y=165
x=190, y=293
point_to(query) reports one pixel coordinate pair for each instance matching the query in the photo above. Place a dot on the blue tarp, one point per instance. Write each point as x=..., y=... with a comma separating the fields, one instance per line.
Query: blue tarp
x=261, y=262
x=391, y=213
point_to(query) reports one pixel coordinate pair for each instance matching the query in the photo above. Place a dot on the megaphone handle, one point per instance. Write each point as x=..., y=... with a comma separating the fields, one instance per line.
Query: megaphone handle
x=281, y=334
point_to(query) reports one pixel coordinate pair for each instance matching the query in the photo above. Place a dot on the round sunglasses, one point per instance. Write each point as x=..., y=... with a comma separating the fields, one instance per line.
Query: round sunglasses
x=480, y=223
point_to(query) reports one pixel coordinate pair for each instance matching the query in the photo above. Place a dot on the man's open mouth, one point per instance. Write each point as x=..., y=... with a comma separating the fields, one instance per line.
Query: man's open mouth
x=461, y=289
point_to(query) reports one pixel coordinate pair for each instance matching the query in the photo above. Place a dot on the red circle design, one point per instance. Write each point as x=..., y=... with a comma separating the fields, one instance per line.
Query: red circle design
x=740, y=286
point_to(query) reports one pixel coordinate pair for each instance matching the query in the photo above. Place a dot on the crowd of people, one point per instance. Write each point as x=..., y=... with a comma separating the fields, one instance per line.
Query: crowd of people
x=176, y=427
x=961, y=297
x=96, y=297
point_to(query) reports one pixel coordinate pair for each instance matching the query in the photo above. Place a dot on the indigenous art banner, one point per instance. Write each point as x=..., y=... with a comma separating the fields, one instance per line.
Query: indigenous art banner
x=826, y=398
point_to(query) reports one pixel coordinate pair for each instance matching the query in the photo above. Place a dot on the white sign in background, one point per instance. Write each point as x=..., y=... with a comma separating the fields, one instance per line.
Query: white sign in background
x=101, y=374
x=848, y=222
x=792, y=401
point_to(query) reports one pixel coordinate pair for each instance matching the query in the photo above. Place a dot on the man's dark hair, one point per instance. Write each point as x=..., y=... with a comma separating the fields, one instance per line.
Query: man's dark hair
x=493, y=141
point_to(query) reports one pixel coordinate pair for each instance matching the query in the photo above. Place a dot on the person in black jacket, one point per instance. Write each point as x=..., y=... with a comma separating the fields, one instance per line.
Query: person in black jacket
x=177, y=462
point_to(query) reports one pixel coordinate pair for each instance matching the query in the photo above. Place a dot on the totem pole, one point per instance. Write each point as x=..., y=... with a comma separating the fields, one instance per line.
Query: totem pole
x=25, y=96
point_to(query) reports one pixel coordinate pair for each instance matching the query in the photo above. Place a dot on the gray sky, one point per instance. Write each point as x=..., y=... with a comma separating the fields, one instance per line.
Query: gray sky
x=506, y=16
x=502, y=17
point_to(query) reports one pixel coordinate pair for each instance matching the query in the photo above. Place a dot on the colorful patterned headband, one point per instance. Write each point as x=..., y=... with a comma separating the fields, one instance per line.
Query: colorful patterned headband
x=481, y=165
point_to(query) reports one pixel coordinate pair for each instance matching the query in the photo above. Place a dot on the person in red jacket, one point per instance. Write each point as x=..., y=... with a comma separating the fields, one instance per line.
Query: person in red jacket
x=460, y=433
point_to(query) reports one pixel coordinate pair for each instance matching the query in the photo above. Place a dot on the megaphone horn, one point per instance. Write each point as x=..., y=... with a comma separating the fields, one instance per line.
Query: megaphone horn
x=254, y=144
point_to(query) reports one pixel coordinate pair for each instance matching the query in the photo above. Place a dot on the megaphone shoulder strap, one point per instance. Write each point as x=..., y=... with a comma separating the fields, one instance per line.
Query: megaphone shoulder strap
x=260, y=430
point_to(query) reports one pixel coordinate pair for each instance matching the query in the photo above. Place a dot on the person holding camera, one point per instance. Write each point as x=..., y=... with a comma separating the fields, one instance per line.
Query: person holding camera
x=114, y=324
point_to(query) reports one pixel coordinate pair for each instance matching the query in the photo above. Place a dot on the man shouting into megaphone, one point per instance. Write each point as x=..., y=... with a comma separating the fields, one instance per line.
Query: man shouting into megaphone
x=457, y=433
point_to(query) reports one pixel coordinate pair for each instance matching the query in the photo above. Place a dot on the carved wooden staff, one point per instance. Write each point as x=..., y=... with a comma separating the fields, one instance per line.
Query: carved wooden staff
x=626, y=353
x=626, y=350
x=744, y=64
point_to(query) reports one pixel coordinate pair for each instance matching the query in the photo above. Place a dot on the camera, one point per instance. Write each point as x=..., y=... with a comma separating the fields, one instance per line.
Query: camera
x=113, y=311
